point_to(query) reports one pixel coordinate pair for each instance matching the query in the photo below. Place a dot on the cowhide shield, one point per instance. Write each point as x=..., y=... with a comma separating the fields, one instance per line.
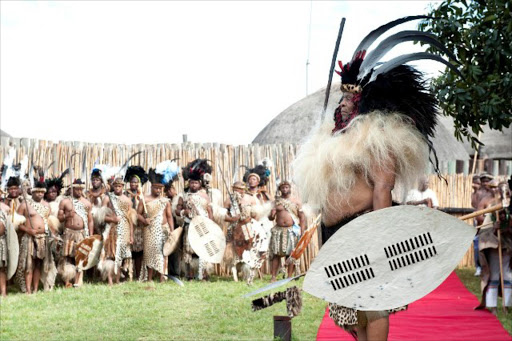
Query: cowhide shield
x=388, y=258
x=207, y=239
x=172, y=242
x=13, y=249
x=88, y=252
x=241, y=241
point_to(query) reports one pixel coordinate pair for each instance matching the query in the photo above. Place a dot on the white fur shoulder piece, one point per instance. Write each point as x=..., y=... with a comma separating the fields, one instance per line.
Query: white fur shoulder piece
x=327, y=162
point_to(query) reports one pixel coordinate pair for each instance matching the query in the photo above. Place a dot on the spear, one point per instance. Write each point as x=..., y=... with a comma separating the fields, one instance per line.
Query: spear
x=331, y=70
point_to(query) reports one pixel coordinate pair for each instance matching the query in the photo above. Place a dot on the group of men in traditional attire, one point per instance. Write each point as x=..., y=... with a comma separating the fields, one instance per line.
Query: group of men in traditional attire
x=113, y=230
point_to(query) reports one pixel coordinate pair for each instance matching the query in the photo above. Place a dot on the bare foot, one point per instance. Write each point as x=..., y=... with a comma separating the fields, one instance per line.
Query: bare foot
x=273, y=279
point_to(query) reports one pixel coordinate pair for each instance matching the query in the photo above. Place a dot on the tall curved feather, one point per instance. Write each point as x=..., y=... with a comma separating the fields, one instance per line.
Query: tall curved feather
x=122, y=170
x=375, y=34
x=409, y=58
x=387, y=44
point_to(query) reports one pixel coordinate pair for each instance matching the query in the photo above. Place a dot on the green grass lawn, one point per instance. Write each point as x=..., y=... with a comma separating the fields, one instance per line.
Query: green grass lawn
x=153, y=311
x=149, y=311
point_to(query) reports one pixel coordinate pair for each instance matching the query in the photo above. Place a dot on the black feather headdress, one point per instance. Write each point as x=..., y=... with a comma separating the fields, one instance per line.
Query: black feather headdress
x=391, y=86
x=196, y=169
x=13, y=181
x=58, y=182
x=138, y=172
x=261, y=171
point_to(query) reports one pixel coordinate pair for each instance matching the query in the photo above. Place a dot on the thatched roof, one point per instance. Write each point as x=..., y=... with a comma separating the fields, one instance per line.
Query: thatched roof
x=4, y=134
x=295, y=123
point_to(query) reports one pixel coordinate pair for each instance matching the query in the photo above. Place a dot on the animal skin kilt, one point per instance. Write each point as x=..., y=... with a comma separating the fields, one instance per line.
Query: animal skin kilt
x=282, y=241
x=138, y=240
x=154, y=238
x=348, y=318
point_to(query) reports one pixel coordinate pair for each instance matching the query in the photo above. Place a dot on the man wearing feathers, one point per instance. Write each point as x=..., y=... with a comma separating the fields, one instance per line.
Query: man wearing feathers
x=154, y=212
x=75, y=213
x=118, y=234
x=378, y=139
x=136, y=177
x=195, y=202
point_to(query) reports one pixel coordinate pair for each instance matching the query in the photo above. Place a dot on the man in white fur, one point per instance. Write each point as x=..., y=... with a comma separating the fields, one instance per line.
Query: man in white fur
x=377, y=139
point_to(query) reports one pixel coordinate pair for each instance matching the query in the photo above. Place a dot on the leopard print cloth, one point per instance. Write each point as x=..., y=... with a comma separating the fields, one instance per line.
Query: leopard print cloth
x=121, y=209
x=153, y=256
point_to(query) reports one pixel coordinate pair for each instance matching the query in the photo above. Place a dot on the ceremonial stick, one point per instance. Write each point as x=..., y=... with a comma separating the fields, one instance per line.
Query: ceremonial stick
x=480, y=212
x=331, y=71
x=500, y=257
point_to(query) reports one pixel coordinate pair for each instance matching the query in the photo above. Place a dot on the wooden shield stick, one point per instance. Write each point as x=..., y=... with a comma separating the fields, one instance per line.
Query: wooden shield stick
x=333, y=62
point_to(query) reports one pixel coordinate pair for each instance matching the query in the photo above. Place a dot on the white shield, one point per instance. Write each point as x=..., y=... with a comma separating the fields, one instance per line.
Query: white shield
x=13, y=249
x=388, y=258
x=207, y=239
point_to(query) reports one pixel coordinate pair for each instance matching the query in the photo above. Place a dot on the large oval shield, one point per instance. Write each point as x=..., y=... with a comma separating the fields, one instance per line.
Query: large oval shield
x=88, y=252
x=13, y=249
x=207, y=239
x=388, y=258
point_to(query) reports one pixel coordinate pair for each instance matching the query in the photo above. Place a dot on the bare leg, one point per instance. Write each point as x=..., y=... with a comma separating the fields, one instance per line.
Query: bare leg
x=361, y=334
x=28, y=281
x=79, y=278
x=36, y=275
x=109, y=278
x=150, y=274
x=378, y=329
x=291, y=268
x=275, y=266
x=234, y=272
x=3, y=282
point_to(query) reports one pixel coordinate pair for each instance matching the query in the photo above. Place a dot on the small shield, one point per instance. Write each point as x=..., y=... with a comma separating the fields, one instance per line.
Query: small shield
x=88, y=252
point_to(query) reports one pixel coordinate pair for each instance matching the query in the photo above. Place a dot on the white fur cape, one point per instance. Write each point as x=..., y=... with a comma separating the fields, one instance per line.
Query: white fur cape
x=327, y=163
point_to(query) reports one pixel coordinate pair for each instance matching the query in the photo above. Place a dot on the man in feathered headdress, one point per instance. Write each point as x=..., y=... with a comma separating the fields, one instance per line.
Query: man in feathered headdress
x=13, y=199
x=136, y=177
x=118, y=234
x=378, y=138
x=75, y=213
x=154, y=212
x=195, y=202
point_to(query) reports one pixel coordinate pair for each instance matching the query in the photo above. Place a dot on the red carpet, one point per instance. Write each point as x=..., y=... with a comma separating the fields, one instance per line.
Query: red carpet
x=444, y=314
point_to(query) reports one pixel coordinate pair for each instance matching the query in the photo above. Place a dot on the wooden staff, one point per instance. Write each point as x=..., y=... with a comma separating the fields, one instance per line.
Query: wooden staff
x=480, y=212
x=500, y=257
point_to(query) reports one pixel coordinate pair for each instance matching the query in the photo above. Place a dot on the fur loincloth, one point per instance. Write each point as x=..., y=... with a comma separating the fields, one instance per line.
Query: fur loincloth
x=282, y=241
x=70, y=239
x=329, y=163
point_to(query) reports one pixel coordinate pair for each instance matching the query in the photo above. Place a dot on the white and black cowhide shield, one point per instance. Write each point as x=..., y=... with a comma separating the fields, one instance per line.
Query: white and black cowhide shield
x=207, y=239
x=388, y=258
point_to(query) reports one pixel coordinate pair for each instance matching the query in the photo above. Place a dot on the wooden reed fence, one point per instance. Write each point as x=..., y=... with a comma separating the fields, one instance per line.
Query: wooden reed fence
x=455, y=192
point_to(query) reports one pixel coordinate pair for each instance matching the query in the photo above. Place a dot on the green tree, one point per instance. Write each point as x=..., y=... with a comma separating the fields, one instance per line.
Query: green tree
x=479, y=33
